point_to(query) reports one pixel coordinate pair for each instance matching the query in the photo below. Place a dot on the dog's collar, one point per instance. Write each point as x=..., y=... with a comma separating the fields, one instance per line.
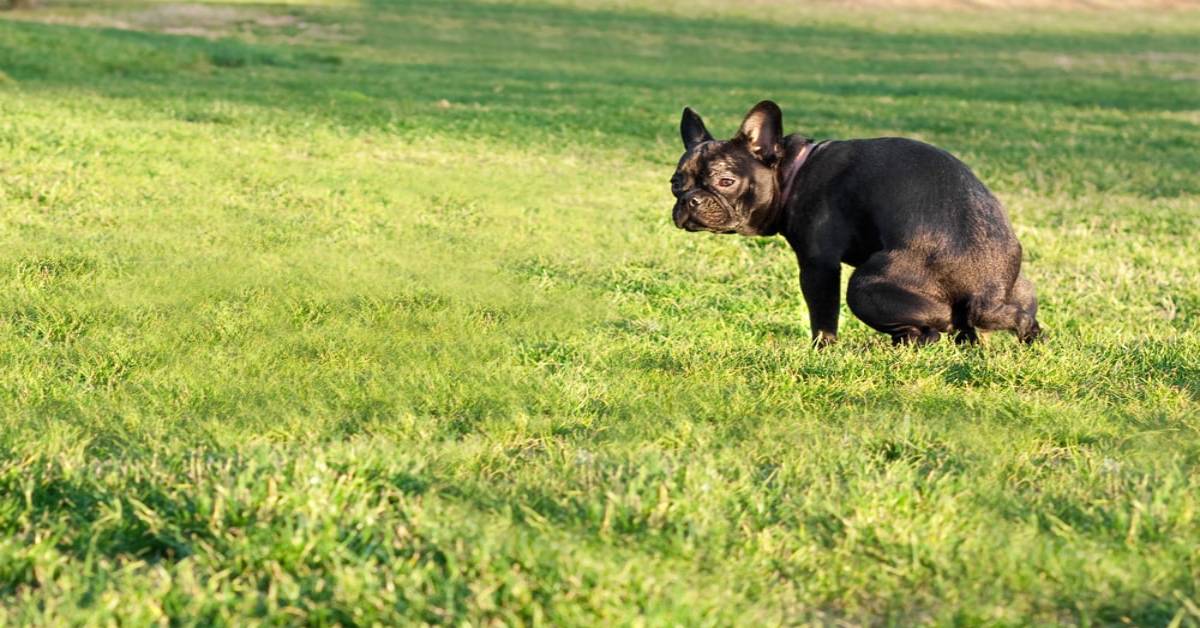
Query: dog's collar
x=788, y=171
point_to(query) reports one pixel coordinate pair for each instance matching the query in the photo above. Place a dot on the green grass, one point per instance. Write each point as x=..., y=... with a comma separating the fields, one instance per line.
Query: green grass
x=338, y=313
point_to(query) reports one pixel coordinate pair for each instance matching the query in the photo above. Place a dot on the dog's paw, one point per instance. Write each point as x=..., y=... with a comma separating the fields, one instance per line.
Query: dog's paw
x=824, y=339
x=1035, y=334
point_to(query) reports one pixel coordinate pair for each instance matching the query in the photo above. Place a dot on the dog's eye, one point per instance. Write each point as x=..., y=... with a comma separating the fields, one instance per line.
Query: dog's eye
x=725, y=182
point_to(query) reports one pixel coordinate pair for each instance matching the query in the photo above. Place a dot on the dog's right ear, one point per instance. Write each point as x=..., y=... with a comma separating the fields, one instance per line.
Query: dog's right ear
x=691, y=128
x=762, y=130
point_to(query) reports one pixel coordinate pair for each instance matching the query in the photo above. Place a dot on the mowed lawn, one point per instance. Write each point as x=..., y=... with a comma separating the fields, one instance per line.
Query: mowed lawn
x=373, y=313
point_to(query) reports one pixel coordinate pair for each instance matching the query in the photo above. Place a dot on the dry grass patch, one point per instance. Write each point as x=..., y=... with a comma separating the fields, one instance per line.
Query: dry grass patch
x=283, y=21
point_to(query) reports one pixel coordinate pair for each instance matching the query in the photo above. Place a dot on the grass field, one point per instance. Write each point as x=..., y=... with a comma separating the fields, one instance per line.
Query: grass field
x=355, y=313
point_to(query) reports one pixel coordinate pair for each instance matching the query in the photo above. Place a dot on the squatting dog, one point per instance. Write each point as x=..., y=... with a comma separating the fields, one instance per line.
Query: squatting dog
x=933, y=249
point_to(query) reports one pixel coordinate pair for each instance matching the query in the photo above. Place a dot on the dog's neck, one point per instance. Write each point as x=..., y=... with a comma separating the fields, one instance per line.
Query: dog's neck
x=796, y=151
x=789, y=167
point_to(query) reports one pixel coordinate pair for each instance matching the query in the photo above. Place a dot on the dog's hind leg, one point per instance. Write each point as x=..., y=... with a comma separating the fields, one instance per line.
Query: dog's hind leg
x=966, y=336
x=1017, y=314
x=1024, y=297
x=960, y=320
x=890, y=296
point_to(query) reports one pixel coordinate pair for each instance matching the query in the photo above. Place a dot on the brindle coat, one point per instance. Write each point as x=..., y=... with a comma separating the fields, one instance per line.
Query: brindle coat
x=933, y=249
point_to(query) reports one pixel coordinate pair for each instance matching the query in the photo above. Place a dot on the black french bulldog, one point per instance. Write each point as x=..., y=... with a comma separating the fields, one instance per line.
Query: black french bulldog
x=933, y=247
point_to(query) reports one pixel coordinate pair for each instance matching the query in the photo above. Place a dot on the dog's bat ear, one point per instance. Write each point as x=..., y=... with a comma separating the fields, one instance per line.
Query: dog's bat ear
x=762, y=130
x=691, y=128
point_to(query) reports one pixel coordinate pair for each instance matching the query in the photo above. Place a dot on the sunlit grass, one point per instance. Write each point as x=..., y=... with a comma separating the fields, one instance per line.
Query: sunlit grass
x=337, y=314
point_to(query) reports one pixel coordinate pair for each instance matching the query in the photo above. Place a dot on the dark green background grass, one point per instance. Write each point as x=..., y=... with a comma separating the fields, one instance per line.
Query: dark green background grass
x=354, y=313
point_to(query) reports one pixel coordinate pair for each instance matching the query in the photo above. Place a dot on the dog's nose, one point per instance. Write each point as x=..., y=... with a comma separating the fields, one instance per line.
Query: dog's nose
x=694, y=202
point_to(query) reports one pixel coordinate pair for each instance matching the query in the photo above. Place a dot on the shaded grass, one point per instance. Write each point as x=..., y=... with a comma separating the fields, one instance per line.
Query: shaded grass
x=393, y=327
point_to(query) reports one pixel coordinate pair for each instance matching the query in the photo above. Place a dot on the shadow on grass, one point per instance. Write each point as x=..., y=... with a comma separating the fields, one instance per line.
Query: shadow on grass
x=569, y=76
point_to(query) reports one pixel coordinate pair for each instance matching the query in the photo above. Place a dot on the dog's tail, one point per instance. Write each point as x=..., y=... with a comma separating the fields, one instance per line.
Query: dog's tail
x=1014, y=310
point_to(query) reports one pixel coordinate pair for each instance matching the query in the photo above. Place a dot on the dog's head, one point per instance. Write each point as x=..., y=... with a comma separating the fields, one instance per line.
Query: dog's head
x=729, y=186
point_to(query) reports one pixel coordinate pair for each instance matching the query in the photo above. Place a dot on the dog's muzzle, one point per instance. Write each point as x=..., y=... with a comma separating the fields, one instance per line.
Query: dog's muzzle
x=684, y=211
x=688, y=209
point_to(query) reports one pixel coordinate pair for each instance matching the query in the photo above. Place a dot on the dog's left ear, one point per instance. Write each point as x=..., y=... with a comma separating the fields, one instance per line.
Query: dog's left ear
x=762, y=130
x=691, y=127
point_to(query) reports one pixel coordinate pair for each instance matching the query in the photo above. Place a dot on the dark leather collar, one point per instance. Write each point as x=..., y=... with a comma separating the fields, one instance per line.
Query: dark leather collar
x=791, y=168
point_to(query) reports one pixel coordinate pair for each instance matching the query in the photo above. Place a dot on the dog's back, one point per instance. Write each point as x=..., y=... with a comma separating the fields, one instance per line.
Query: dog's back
x=933, y=248
x=928, y=229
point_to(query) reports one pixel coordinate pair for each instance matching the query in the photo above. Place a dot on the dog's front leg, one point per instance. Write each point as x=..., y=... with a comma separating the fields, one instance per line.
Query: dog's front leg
x=820, y=284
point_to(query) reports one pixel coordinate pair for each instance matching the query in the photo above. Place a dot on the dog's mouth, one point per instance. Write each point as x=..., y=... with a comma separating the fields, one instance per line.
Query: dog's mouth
x=694, y=227
x=688, y=222
x=691, y=225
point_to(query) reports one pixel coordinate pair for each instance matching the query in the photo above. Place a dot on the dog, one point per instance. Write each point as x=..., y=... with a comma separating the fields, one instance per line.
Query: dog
x=933, y=249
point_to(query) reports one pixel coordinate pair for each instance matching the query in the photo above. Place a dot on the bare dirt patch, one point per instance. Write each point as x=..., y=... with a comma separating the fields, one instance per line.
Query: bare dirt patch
x=210, y=21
